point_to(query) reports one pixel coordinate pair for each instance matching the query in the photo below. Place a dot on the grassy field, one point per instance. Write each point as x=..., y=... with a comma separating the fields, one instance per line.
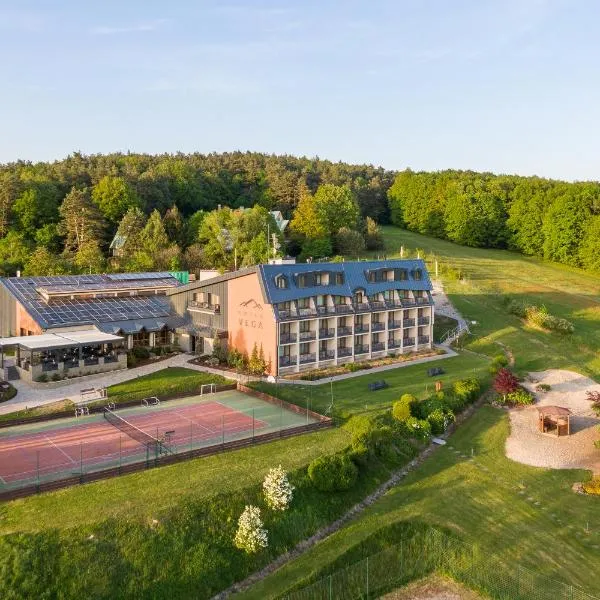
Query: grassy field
x=165, y=382
x=520, y=514
x=140, y=496
x=351, y=396
x=491, y=275
x=523, y=515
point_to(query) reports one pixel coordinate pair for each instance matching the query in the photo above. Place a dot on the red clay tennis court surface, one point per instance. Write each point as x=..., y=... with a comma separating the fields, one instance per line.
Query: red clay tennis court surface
x=94, y=445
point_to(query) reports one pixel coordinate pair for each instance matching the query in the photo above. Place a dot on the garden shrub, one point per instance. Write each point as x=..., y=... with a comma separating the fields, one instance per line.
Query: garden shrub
x=455, y=403
x=236, y=360
x=402, y=409
x=519, y=397
x=592, y=486
x=131, y=360
x=423, y=409
x=467, y=389
x=141, y=352
x=440, y=419
x=543, y=387
x=498, y=362
x=357, y=366
x=333, y=473
x=43, y=378
x=420, y=429
x=539, y=316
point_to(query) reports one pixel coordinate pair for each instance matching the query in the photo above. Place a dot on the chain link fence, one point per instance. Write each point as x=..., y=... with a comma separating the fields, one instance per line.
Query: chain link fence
x=436, y=552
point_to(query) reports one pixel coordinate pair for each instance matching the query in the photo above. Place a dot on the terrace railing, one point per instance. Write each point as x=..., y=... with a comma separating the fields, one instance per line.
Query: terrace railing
x=344, y=331
x=326, y=354
x=377, y=326
x=326, y=333
x=423, y=339
x=341, y=352
x=378, y=346
x=394, y=344
x=364, y=349
x=308, y=335
x=394, y=324
x=409, y=323
x=408, y=342
x=308, y=358
x=361, y=328
x=195, y=304
x=287, y=361
x=378, y=304
x=287, y=338
x=424, y=320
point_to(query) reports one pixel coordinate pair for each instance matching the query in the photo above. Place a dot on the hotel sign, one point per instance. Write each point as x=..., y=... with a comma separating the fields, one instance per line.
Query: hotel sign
x=250, y=314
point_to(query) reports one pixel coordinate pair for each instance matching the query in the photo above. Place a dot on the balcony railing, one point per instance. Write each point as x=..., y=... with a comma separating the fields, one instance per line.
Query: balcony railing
x=344, y=352
x=422, y=300
x=408, y=302
x=287, y=338
x=344, y=331
x=308, y=358
x=343, y=309
x=326, y=354
x=308, y=335
x=423, y=339
x=364, y=349
x=423, y=320
x=378, y=346
x=394, y=324
x=377, y=304
x=287, y=361
x=408, y=342
x=287, y=313
x=196, y=305
x=361, y=328
x=409, y=322
x=326, y=333
x=377, y=326
x=307, y=312
x=393, y=303
x=394, y=344
x=361, y=306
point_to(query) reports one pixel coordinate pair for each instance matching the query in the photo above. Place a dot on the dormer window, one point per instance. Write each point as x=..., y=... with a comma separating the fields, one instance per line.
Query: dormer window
x=339, y=279
x=281, y=282
x=401, y=274
x=418, y=274
x=372, y=276
x=302, y=281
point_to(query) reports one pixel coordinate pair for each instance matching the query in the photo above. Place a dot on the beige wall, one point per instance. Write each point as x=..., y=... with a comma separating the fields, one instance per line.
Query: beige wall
x=250, y=320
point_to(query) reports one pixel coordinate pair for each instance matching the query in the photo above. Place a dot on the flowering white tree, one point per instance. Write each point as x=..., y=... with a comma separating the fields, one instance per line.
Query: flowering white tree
x=251, y=536
x=277, y=488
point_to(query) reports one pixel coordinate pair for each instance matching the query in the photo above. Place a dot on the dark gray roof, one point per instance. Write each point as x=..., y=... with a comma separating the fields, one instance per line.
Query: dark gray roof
x=65, y=312
x=355, y=278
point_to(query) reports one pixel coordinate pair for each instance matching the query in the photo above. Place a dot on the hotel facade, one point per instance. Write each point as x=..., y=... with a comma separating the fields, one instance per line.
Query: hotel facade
x=309, y=316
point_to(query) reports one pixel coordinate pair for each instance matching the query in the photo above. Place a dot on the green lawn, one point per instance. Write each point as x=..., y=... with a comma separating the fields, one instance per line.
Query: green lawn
x=165, y=382
x=140, y=496
x=351, y=396
x=490, y=275
x=522, y=515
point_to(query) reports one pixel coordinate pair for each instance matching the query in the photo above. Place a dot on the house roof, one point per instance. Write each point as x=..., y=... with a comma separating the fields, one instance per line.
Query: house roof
x=355, y=278
x=65, y=311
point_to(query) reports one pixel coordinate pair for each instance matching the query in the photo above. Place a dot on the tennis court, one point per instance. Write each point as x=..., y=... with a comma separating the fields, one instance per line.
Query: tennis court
x=36, y=453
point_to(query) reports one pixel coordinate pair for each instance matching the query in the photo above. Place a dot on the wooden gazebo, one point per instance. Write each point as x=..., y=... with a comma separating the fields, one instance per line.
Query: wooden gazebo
x=554, y=419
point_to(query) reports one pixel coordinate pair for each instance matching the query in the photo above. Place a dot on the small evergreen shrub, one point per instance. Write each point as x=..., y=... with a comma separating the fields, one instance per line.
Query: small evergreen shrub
x=466, y=389
x=440, y=419
x=333, y=473
x=141, y=352
x=543, y=387
x=519, y=397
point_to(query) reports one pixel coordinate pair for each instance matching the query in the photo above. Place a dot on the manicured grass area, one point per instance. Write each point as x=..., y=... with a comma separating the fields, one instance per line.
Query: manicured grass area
x=353, y=396
x=491, y=275
x=46, y=409
x=165, y=382
x=141, y=496
x=522, y=515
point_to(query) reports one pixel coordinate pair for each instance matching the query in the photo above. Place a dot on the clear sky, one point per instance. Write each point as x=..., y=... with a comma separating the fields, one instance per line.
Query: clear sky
x=508, y=86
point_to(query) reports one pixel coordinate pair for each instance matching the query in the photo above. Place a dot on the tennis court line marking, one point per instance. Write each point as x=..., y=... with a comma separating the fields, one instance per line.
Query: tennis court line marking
x=194, y=422
x=60, y=450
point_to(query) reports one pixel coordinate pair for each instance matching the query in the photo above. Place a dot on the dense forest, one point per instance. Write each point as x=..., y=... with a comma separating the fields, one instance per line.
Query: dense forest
x=193, y=211
x=61, y=217
x=555, y=220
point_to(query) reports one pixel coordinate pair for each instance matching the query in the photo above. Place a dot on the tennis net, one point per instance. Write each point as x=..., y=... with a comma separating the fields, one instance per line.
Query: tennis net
x=131, y=430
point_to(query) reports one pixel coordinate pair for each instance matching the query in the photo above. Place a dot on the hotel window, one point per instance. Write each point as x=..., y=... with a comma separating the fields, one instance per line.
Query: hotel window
x=285, y=328
x=418, y=274
x=323, y=346
x=339, y=278
x=359, y=297
x=285, y=351
x=304, y=326
x=318, y=279
x=342, y=343
x=302, y=281
x=401, y=275
x=338, y=300
x=320, y=300
x=305, y=348
x=281, y=282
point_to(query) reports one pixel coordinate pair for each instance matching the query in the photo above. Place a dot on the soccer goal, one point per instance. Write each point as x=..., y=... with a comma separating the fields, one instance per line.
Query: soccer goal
x=208, y=388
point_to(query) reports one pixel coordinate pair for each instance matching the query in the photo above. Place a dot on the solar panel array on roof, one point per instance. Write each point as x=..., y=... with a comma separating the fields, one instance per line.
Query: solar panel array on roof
x=107, y=285
x=77, y=311
x=138, y=276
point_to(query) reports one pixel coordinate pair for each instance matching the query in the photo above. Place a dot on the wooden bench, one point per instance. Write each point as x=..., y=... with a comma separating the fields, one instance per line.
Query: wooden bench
x=377, y=385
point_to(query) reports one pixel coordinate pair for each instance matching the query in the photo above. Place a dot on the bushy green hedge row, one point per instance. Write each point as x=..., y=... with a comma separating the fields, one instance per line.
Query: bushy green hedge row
x=434, y=414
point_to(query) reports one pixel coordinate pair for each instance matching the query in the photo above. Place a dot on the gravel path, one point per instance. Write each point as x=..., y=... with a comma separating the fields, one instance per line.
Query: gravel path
x=526, y=444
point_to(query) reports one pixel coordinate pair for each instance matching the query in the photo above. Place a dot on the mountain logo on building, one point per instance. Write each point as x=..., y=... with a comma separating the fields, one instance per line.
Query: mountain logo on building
x=252, y=303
